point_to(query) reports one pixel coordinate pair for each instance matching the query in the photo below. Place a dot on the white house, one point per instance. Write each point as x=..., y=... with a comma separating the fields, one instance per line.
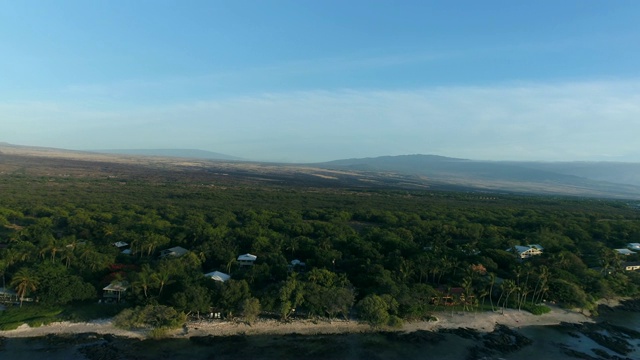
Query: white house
x=633, y=246
x=527, y=251
x=116, y=290
x=246, y=259
x=218, y=276
x=8, y=295
x=625, y=252
x=174, y=251
x=296, y=265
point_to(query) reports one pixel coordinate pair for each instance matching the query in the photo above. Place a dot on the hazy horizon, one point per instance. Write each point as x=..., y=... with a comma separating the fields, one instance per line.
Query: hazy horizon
x=290, y=81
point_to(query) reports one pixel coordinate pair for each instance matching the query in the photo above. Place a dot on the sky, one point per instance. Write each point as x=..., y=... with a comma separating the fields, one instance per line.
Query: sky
x=319, y=80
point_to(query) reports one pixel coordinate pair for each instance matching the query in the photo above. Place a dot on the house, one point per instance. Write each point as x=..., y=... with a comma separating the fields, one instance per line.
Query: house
x=246, y=259
x=174, y=251
x=218, y=276
x=8, y=295
x=631, y=266
x=115, y=291
x=625, y=252
x=527, y=251
x=633, y=246
x=296, y=265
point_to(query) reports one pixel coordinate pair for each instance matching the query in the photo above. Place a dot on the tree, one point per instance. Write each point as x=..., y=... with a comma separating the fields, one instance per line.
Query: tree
x=193, y=298
x=492, y=282
x=24, y=281
x=144, y=280
x=162, y=277
x=374, y=310
x=541, y=285
x=60, y=287
x=233, y=293
x=291, y=295
x=508, y=286
x=250, y=309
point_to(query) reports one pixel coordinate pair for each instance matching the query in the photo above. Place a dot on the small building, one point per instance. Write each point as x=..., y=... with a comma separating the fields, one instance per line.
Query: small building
x=8, y=295
x=631, y=266
x=115, y=291
x=174, y=251
x=247, y=259
x=218, y=276
x=527, y=251
x=633, y=246
x=625, y=252
x=296, y=265
x=120, y=244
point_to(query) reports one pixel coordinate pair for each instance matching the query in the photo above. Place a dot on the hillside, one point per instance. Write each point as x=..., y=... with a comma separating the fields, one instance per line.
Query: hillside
x=574, y=178
x=410, y=172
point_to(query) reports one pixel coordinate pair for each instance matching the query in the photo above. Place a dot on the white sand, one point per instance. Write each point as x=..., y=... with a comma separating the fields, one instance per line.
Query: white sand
x=484, y=321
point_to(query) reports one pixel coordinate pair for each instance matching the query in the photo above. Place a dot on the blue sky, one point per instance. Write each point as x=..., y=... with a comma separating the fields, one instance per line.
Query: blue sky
x=321, y=80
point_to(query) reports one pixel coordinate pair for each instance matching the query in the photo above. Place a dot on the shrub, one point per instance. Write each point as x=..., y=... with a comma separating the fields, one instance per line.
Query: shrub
x=158, y=333
x=150, y=316
x=536, y=309
x=395, y=322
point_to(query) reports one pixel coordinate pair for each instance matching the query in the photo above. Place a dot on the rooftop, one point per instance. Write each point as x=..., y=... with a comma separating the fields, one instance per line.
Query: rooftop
x=218, y=276
x=247, y=257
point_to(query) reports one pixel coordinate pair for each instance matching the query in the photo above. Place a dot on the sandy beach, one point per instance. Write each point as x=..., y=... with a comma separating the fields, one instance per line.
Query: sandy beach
x=484, y=322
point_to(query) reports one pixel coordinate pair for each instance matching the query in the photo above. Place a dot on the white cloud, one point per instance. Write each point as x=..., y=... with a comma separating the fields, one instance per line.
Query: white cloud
x=557, y=121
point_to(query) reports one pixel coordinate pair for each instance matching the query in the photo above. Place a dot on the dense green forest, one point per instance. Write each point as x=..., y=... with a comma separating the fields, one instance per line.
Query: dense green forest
x=382, y=256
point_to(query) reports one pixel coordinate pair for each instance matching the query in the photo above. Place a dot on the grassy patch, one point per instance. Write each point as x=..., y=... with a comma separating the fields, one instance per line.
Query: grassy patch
x=32, y=315
x=82, y=312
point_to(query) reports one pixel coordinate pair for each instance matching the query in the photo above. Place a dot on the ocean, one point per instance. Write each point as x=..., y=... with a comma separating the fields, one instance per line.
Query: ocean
x=615, y=336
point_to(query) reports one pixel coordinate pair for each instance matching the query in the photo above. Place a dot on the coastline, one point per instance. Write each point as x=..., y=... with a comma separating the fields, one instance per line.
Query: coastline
x=481, y=321
x=514, y=335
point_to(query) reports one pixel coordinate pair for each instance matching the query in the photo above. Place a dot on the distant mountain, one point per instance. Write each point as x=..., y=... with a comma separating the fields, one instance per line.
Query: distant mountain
x=179, y=153
x=616, y=172
x=585, y=179
x=573, y=178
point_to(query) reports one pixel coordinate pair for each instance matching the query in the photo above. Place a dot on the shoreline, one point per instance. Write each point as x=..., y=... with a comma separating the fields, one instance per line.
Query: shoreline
x=481, y=321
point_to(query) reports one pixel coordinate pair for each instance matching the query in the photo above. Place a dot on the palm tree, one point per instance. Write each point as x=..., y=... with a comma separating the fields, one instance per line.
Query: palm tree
x=525, y=289
x=144, y=279
x=543, y=277
x=24, y=281
x=4, y=264
x=162, y=277
x=483, y=294
x=492, y=279
x=508, y=286
x=467, y=285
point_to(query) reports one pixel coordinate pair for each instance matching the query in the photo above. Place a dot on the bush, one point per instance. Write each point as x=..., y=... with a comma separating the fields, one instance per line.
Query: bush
x=150, y=316
x=157, y=333
x=536, y=309
x=395, y=322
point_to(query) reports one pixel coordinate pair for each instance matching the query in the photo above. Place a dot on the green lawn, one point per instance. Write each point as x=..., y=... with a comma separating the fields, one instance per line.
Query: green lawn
x=33, y=315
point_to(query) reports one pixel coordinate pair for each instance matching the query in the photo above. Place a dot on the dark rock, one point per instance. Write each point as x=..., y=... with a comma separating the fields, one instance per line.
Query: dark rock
x=465, y=333
x=415, y=337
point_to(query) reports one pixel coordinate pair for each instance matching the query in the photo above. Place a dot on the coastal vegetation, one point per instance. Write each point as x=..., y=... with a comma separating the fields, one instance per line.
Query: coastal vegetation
x=379, y=255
